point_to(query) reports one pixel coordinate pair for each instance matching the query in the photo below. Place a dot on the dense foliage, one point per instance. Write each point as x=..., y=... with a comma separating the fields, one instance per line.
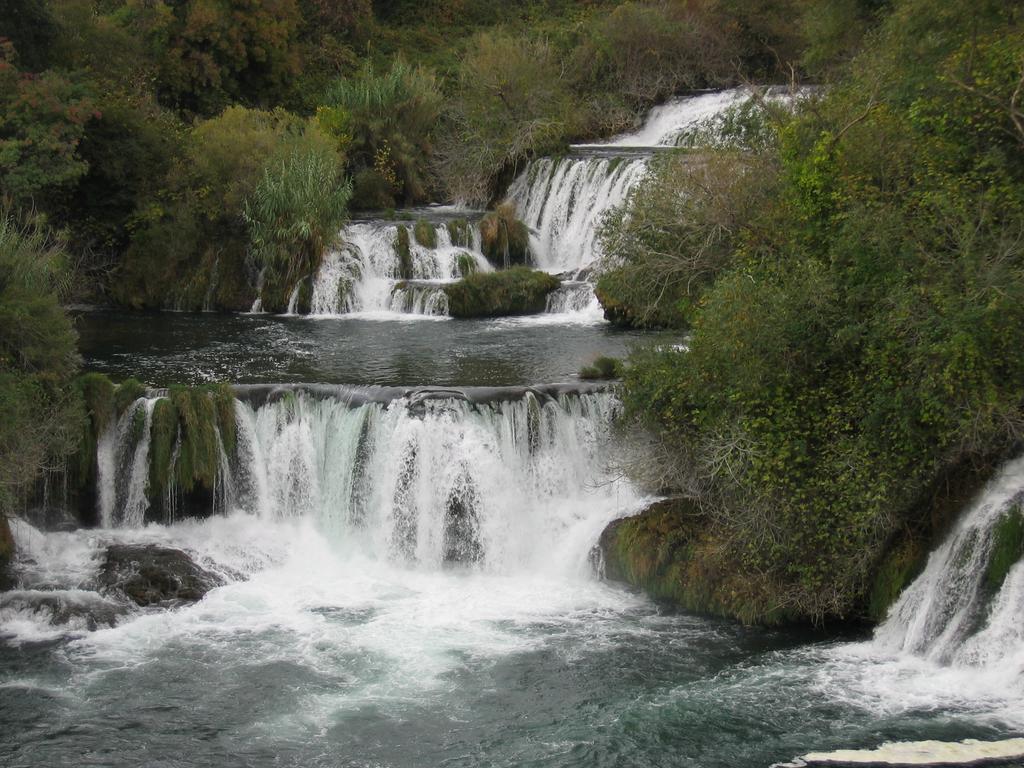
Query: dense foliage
x=39, y=412
x=855, y=309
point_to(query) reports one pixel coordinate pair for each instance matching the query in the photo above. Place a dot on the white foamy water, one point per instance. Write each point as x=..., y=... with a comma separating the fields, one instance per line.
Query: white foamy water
x=364, y=276
x=562, y=202
x=948, y=643
x=666, y=122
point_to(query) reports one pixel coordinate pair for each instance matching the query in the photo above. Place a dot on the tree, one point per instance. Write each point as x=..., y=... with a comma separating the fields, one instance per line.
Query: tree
x=42, y=120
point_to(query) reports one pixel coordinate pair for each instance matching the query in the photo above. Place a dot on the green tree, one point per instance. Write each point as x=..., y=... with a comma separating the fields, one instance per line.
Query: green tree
x=39, y=414
x=42, y=120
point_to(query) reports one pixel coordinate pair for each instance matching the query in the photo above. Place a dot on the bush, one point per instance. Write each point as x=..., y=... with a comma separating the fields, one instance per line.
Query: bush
x=518, y=291
x=512, y=100
x=40, y=413
x=677, y=233
x=861, y=340
x=387, y=121
x=295, y=213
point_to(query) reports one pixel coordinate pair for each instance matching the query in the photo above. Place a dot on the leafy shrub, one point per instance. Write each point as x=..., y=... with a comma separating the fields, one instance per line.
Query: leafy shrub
x=512, y=100
x=677, y=233
x=388, y=120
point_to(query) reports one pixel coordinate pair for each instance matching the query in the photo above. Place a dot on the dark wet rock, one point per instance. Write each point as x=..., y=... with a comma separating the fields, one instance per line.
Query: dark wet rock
x=148, y=574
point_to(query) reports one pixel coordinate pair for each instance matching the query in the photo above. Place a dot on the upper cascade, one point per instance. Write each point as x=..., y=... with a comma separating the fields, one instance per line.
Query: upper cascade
x=494, y=477
x=964, y=610
x=393, y=268
x=563, y=201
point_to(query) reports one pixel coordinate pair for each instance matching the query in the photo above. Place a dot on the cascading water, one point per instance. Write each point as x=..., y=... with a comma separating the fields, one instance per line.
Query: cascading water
x=575, y=298
x=122, y=458
x=370, y=274
x=563, y=201
x=952, y=614
x=426, y=478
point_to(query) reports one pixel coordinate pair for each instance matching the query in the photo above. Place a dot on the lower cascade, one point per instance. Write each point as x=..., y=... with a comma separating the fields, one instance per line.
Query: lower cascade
x=427, y=478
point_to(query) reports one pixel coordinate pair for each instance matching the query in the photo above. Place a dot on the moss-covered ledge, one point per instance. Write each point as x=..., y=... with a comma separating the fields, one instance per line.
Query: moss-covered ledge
x=516, y=291
x=667, y=551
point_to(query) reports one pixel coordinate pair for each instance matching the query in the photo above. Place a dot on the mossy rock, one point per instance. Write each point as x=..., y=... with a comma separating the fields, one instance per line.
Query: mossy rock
x=504, y=239
x=1007, y=548
x=404, y=252
x=603, y=368
x=669, y=552
x=425, y=233
x=163, y=436
x=128, y=391
x=518, y=291
x=465, y=265
x=458, y=233
x=96, y=392
x=6, y=548
x=204, y=414
x=895, y=573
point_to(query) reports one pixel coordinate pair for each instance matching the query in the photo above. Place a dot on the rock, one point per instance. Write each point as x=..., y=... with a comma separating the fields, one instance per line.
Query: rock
x=148, y=574
x=73, y=609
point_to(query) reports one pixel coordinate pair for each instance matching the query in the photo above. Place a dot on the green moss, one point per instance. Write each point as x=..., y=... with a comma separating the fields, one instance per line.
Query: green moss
x=198, y=452
x=163, y=436
x=465, y=264
x=669, y=553
x=127, y=393
x=458, y=232
x=97, y=394
x=518, y=291
x=404, y=253
x=1007, y=548
x=602, y=368
x=224, y=402
x=426, y=234
x=895, y=573
x=138, y=426
x=504, y=239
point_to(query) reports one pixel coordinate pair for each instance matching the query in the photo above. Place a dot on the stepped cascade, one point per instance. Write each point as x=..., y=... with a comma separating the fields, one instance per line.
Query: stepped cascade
x=427, y=477
x=380, y=269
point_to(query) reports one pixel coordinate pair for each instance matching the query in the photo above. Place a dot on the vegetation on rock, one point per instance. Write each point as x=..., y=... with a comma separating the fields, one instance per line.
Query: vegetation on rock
x=517, y=291
x=856, y=327
x=504, y=239
x=603, y=368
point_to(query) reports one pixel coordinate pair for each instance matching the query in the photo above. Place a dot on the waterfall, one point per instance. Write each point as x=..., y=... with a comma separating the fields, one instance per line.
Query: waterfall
x=574, y=297
x=952, y=615
x=496, y=479
x=122, y=453
x=562, y=202
x=373, y=273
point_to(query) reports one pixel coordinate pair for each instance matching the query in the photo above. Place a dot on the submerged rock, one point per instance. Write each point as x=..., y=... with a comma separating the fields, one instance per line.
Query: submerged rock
x=69, y=609
x=148, y=574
